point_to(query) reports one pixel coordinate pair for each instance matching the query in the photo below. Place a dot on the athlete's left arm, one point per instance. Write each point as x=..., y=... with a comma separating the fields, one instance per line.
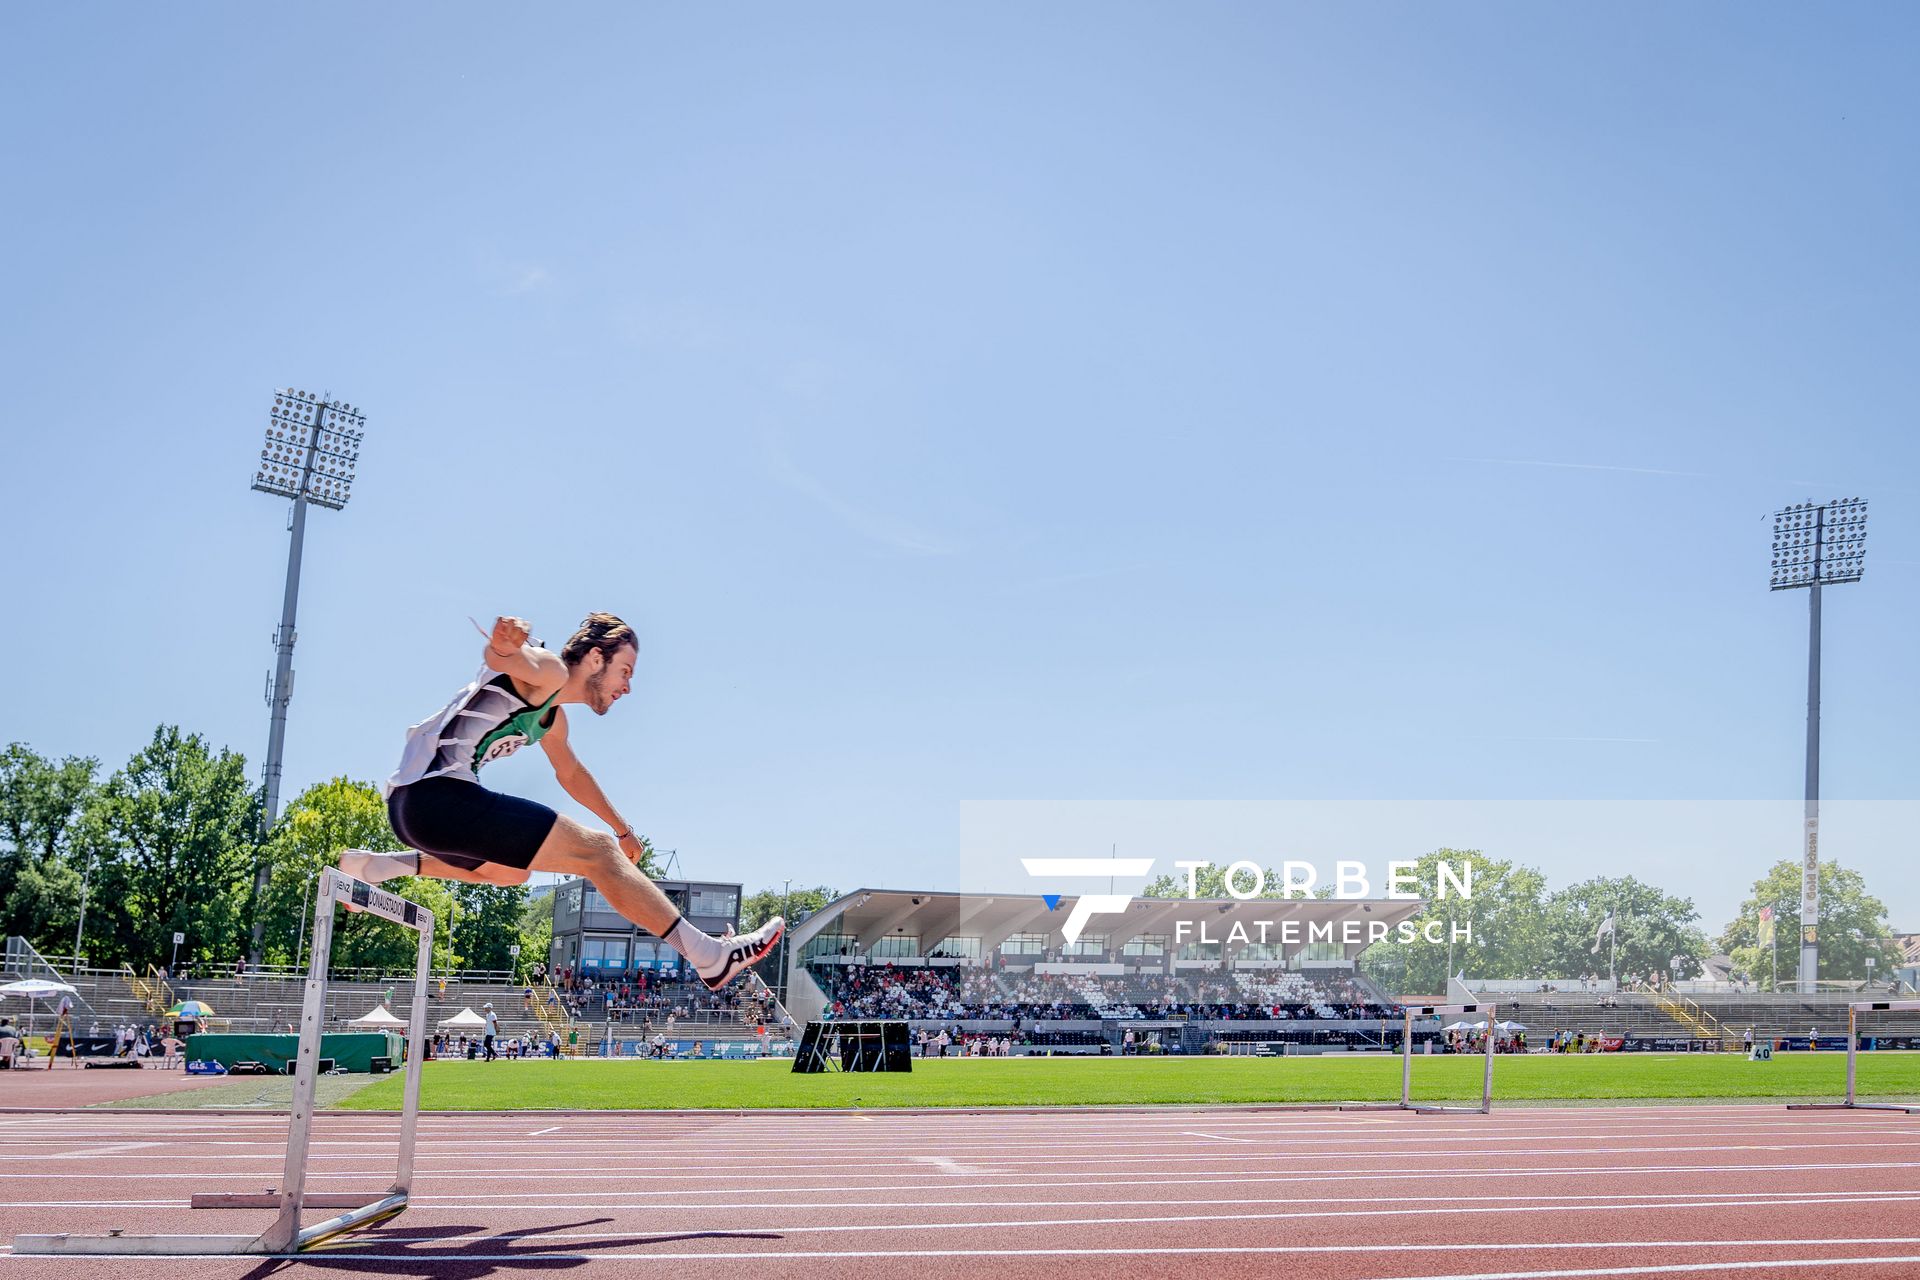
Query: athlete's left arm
x=580, y=784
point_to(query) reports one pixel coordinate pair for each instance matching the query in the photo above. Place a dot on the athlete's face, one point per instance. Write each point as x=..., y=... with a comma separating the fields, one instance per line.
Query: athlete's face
x=612, y=682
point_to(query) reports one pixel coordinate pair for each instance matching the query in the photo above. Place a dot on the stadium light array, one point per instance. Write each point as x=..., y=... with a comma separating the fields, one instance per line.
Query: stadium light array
x=312, y=445
x=1819, y=544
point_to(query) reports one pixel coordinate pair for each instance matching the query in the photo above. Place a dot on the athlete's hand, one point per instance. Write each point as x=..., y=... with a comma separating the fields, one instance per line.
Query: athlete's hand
x=509, y=635
x=631, y=846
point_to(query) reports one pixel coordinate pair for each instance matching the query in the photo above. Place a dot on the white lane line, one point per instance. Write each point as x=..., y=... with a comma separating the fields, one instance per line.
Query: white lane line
x=1190, y=1133
x=90, y=1152
x=493, y=1201
x=536, y=1133
x=1197, y=1177
x=946, y=1164
x=349, y=1256
x=1292, y=1215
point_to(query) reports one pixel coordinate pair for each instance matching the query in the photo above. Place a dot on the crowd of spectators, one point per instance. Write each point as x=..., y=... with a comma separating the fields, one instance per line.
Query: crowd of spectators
x=948, y=993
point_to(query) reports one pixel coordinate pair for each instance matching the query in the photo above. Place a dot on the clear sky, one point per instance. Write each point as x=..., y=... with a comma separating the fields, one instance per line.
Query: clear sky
x=978, y=404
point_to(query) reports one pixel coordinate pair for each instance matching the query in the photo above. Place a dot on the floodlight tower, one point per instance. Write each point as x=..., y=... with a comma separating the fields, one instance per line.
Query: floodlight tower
x=312, y=446
x=1816, y=545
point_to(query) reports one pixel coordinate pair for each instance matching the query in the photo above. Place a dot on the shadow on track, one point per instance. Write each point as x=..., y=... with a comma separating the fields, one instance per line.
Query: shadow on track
x=455, y=1253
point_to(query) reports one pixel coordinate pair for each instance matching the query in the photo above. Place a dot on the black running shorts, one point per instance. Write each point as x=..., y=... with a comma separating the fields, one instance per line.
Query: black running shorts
x=465, y=824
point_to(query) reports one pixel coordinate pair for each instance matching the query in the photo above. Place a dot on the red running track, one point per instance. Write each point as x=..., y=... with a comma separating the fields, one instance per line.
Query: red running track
x=1533, y=1194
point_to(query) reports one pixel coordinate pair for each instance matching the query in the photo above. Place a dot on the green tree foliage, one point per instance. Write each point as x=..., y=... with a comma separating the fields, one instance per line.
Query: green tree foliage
x=1504, y=915
x=1652, y=928
x=173, y=833
x=486, y=925
x=1852, y=927
x=758, y=908
x=536, y=931
x=43, y=851
x=320, y=822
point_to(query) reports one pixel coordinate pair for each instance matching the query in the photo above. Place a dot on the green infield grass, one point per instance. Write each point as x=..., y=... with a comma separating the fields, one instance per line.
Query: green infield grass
x=592, y=1085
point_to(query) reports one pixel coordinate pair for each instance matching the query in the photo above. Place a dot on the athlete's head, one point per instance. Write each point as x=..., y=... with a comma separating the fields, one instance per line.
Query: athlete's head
x=605, y=648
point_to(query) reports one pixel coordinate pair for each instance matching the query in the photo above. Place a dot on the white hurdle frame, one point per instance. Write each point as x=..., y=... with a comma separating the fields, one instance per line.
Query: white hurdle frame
x=1854, y=1010
x=1406, y=1102
x=286, y=1235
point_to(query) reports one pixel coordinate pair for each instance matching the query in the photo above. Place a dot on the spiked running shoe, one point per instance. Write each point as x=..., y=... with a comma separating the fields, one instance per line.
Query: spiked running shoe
x=745, y=951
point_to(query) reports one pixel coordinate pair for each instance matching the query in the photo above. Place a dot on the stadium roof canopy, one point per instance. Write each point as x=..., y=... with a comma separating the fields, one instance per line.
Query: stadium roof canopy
x=867, y=915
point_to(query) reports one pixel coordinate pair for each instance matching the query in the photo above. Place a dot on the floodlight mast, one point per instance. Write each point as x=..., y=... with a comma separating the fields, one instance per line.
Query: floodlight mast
x=1816, y=545
x=312, y=447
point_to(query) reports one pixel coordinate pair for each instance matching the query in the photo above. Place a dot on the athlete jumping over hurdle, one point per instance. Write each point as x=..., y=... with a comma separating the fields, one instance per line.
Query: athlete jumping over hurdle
x=456, y=829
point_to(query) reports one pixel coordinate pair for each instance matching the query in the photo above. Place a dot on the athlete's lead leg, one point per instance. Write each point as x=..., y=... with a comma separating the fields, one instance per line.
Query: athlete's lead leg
x=572, y=849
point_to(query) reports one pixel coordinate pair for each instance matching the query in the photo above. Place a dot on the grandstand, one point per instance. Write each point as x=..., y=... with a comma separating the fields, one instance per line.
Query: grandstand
x=977, y=965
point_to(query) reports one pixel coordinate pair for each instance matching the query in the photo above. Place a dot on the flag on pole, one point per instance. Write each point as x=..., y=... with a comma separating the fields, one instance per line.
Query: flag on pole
x=1606, y=927
x=1766, y=927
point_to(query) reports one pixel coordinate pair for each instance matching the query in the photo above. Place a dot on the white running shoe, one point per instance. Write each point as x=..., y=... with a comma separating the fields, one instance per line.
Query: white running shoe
x=745, y=951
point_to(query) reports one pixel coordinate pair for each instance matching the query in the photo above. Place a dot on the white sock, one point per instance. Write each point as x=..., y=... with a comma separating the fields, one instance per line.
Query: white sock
x=376, y=867
x=705, y=952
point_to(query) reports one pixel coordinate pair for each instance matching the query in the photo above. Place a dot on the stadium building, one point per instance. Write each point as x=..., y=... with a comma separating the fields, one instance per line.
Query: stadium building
x=1000, y=965
x=590, y=937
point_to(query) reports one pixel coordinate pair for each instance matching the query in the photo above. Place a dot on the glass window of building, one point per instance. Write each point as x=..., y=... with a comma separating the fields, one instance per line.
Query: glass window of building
x=1146, y=945
x=603, y=953
x=596, y=902
x=1087, y=945
x=716, y=902
x=1320, y=951
x=895, y=945
x=965, y=948
x=827, y=944
x=1024, y=944
x=1199, y=951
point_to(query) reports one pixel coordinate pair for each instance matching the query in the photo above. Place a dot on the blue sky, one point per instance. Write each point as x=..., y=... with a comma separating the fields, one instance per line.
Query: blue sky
x=1108, y=403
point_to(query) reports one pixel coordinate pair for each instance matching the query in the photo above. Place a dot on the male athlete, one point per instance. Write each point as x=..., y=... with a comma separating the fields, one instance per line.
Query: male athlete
x=456, y=829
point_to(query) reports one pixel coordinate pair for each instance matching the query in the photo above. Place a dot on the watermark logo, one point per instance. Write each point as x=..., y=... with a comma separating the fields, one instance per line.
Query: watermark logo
x=1086, y=906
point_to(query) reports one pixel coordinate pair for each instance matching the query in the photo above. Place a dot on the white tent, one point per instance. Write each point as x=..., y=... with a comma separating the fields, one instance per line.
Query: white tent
x=463, y=1019
x=379, y=1017
x=33, y=989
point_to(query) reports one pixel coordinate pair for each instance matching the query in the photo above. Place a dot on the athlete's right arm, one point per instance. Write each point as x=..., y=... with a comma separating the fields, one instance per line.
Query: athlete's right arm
x=509, y=652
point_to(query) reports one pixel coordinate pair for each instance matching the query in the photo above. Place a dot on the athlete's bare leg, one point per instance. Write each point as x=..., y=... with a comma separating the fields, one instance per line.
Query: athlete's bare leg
x=485, y=873
x=363, y=864
x=574, y=850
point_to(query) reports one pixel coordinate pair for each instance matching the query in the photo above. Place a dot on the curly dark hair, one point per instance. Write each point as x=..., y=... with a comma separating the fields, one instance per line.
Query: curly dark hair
x=600, y=631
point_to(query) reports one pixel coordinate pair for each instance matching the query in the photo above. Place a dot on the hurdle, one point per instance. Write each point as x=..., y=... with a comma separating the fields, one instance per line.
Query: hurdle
x=1852, y=1103
x=1406, y=1102
x=291, y=1198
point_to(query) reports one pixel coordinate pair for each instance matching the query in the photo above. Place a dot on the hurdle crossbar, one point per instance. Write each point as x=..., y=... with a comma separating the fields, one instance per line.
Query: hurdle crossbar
x=1406, y=1102
x=1852, y=1102
x=286, y=1235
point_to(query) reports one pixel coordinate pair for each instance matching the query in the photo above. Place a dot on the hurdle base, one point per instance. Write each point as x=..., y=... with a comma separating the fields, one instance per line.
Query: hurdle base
x=1853, y=1106
x=364, y=1214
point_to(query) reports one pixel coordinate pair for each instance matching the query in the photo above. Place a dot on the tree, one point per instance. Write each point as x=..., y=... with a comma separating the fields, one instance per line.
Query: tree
x=1650, y=929
x=1503, y=916
x=486, y=924
x=757, y=908
x=536, y=930
x=320, y=822
x=1852, y=927
x=174, y=836
x=42, y=854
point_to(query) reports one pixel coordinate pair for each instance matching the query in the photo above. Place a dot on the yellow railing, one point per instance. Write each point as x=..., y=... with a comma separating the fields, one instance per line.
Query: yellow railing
x=1702, y=1024
x=151, y=991
x=552, y=1012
